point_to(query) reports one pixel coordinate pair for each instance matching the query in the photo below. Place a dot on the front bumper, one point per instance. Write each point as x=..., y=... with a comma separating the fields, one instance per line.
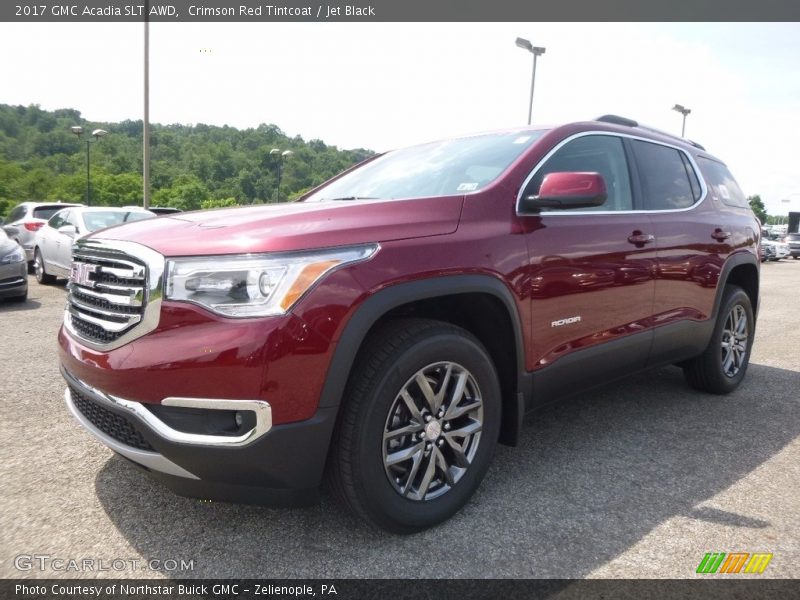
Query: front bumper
x=13, y=280
x=275, y=465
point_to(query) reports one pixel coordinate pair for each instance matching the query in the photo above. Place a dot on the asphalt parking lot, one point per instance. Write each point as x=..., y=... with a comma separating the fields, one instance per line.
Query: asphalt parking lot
x=639, y=479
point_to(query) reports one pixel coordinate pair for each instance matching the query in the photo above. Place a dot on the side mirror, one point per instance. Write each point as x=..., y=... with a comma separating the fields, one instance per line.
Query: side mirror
x=567, y=190
x=68, y=230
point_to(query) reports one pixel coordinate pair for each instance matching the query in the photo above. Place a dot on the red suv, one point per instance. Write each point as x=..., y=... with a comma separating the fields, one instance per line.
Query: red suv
x=388, y=329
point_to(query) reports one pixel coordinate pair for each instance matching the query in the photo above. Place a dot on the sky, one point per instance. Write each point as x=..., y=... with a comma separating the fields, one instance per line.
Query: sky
x=387, y=85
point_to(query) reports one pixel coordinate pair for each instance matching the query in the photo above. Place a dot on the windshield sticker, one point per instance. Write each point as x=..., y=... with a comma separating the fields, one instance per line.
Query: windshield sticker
x=467, y=187
x=723, y=191
x=522, y=139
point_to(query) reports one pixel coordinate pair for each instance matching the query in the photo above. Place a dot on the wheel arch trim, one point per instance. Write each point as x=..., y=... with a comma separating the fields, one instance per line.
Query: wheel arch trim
x=381, y=302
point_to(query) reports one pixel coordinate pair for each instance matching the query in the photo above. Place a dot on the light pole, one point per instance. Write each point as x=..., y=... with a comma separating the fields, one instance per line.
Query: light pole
x=684, y=111
x=96, y=134
x=280, y=156
x=537, y=51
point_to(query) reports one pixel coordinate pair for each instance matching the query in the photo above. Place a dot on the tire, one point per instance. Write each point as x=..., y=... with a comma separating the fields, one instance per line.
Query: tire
x=720, y=369
x=364, y=472
x=38, y=268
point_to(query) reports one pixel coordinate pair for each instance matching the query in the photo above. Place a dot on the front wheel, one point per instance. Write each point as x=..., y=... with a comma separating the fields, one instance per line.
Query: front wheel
x=722, y=366
x=419, y=425
x=39, y=269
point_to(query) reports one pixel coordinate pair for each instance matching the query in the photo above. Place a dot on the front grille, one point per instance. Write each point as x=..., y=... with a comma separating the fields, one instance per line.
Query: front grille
x=113, y=425
x=107, y=294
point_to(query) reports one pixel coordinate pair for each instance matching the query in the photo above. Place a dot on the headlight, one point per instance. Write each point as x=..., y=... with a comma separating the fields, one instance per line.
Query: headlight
x=254, y=285
x=15, y=256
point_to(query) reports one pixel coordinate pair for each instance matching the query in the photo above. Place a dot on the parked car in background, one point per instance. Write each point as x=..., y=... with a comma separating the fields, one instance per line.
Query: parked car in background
x=779, y=249
x=13, y=269
x=28, y=218
x=164, y=210
x=767, y=252
x=160, y=210
x=793, y=241
x=53, y=243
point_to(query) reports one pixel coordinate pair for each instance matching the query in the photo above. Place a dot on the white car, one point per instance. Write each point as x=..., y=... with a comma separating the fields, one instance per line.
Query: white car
x=52, y=252
x=782, y=250
x=28, y=218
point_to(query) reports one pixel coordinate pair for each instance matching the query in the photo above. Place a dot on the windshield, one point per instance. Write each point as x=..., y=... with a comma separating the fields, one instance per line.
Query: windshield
x=95, y=220
x=441, y=168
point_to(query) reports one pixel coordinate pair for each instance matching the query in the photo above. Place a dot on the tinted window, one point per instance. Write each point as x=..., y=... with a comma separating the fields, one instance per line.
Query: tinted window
x=665, y=181
x=602, y=154
x=16, y=214
x=722, y=183
x=443, y=168
x=45, y=212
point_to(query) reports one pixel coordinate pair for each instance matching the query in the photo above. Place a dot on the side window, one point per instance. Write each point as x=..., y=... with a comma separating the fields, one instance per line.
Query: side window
x=58, y=219
x=602, y=154
x=722, y=183
x=665, y=181
x=16, y=214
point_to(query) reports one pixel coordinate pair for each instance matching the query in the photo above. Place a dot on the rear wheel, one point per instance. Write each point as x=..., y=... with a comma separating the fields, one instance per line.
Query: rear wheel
x=722, y=366
x=419, y=425
x=39, y=269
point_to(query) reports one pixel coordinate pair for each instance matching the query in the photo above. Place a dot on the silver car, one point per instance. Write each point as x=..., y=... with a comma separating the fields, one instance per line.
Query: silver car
x=52, y=252
x=13, y=269
x=28, y=218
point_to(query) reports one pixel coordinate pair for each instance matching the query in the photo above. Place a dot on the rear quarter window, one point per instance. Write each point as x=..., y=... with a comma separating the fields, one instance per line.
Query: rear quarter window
x=668, y=179
x=722, y=183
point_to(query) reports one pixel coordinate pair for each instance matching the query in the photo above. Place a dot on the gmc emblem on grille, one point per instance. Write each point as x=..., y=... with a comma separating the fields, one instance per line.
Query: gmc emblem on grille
x=80, y=274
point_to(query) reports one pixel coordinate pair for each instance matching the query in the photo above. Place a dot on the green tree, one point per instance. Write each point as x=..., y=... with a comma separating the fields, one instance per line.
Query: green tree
x=758, y=208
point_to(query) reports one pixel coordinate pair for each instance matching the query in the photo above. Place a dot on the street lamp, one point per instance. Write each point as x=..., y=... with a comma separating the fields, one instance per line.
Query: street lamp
x=684, y=111
x=96, y=134
x=280, y=156
x=537, y=51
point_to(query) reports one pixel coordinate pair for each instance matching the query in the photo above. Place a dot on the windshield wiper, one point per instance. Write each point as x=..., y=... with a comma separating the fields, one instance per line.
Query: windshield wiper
x=352, y=198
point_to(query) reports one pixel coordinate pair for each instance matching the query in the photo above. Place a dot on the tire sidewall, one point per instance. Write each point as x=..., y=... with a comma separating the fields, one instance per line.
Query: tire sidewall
x=381, y=499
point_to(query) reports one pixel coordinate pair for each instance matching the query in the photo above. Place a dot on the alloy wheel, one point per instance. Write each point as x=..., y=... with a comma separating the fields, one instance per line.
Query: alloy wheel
x=734, y=341
x=432, y=431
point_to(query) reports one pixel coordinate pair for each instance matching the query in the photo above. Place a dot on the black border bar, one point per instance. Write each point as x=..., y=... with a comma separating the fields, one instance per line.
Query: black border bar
x=397, y=10
x=702, y=588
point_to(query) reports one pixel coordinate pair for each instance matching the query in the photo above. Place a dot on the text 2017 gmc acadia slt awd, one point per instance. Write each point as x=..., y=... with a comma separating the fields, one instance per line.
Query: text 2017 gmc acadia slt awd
x=387, y=330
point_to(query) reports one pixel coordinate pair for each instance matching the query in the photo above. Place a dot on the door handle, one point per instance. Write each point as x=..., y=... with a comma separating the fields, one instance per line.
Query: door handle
x=640, y=239
x=720, y=235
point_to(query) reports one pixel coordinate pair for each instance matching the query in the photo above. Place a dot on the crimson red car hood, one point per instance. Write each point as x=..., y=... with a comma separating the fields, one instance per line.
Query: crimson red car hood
x=291, y=226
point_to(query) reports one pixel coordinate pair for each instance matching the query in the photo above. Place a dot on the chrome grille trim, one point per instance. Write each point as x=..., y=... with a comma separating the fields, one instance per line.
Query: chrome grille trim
x=115, y=292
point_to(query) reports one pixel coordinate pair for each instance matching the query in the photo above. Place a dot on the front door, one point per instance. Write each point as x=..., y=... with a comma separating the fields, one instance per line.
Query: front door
x=591, y=275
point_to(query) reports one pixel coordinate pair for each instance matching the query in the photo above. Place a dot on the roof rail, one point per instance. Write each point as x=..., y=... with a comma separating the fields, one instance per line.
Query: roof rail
x=617, y=120
x=625, y=122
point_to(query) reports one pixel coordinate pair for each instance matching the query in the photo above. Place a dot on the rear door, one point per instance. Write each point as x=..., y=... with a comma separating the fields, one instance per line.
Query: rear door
x=591, y=274
x=694, y=239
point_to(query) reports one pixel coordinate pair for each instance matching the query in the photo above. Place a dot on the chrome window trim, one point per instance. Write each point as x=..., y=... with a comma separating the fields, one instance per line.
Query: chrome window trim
x=562, y=143
x=262, y=410
x=154, y=286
